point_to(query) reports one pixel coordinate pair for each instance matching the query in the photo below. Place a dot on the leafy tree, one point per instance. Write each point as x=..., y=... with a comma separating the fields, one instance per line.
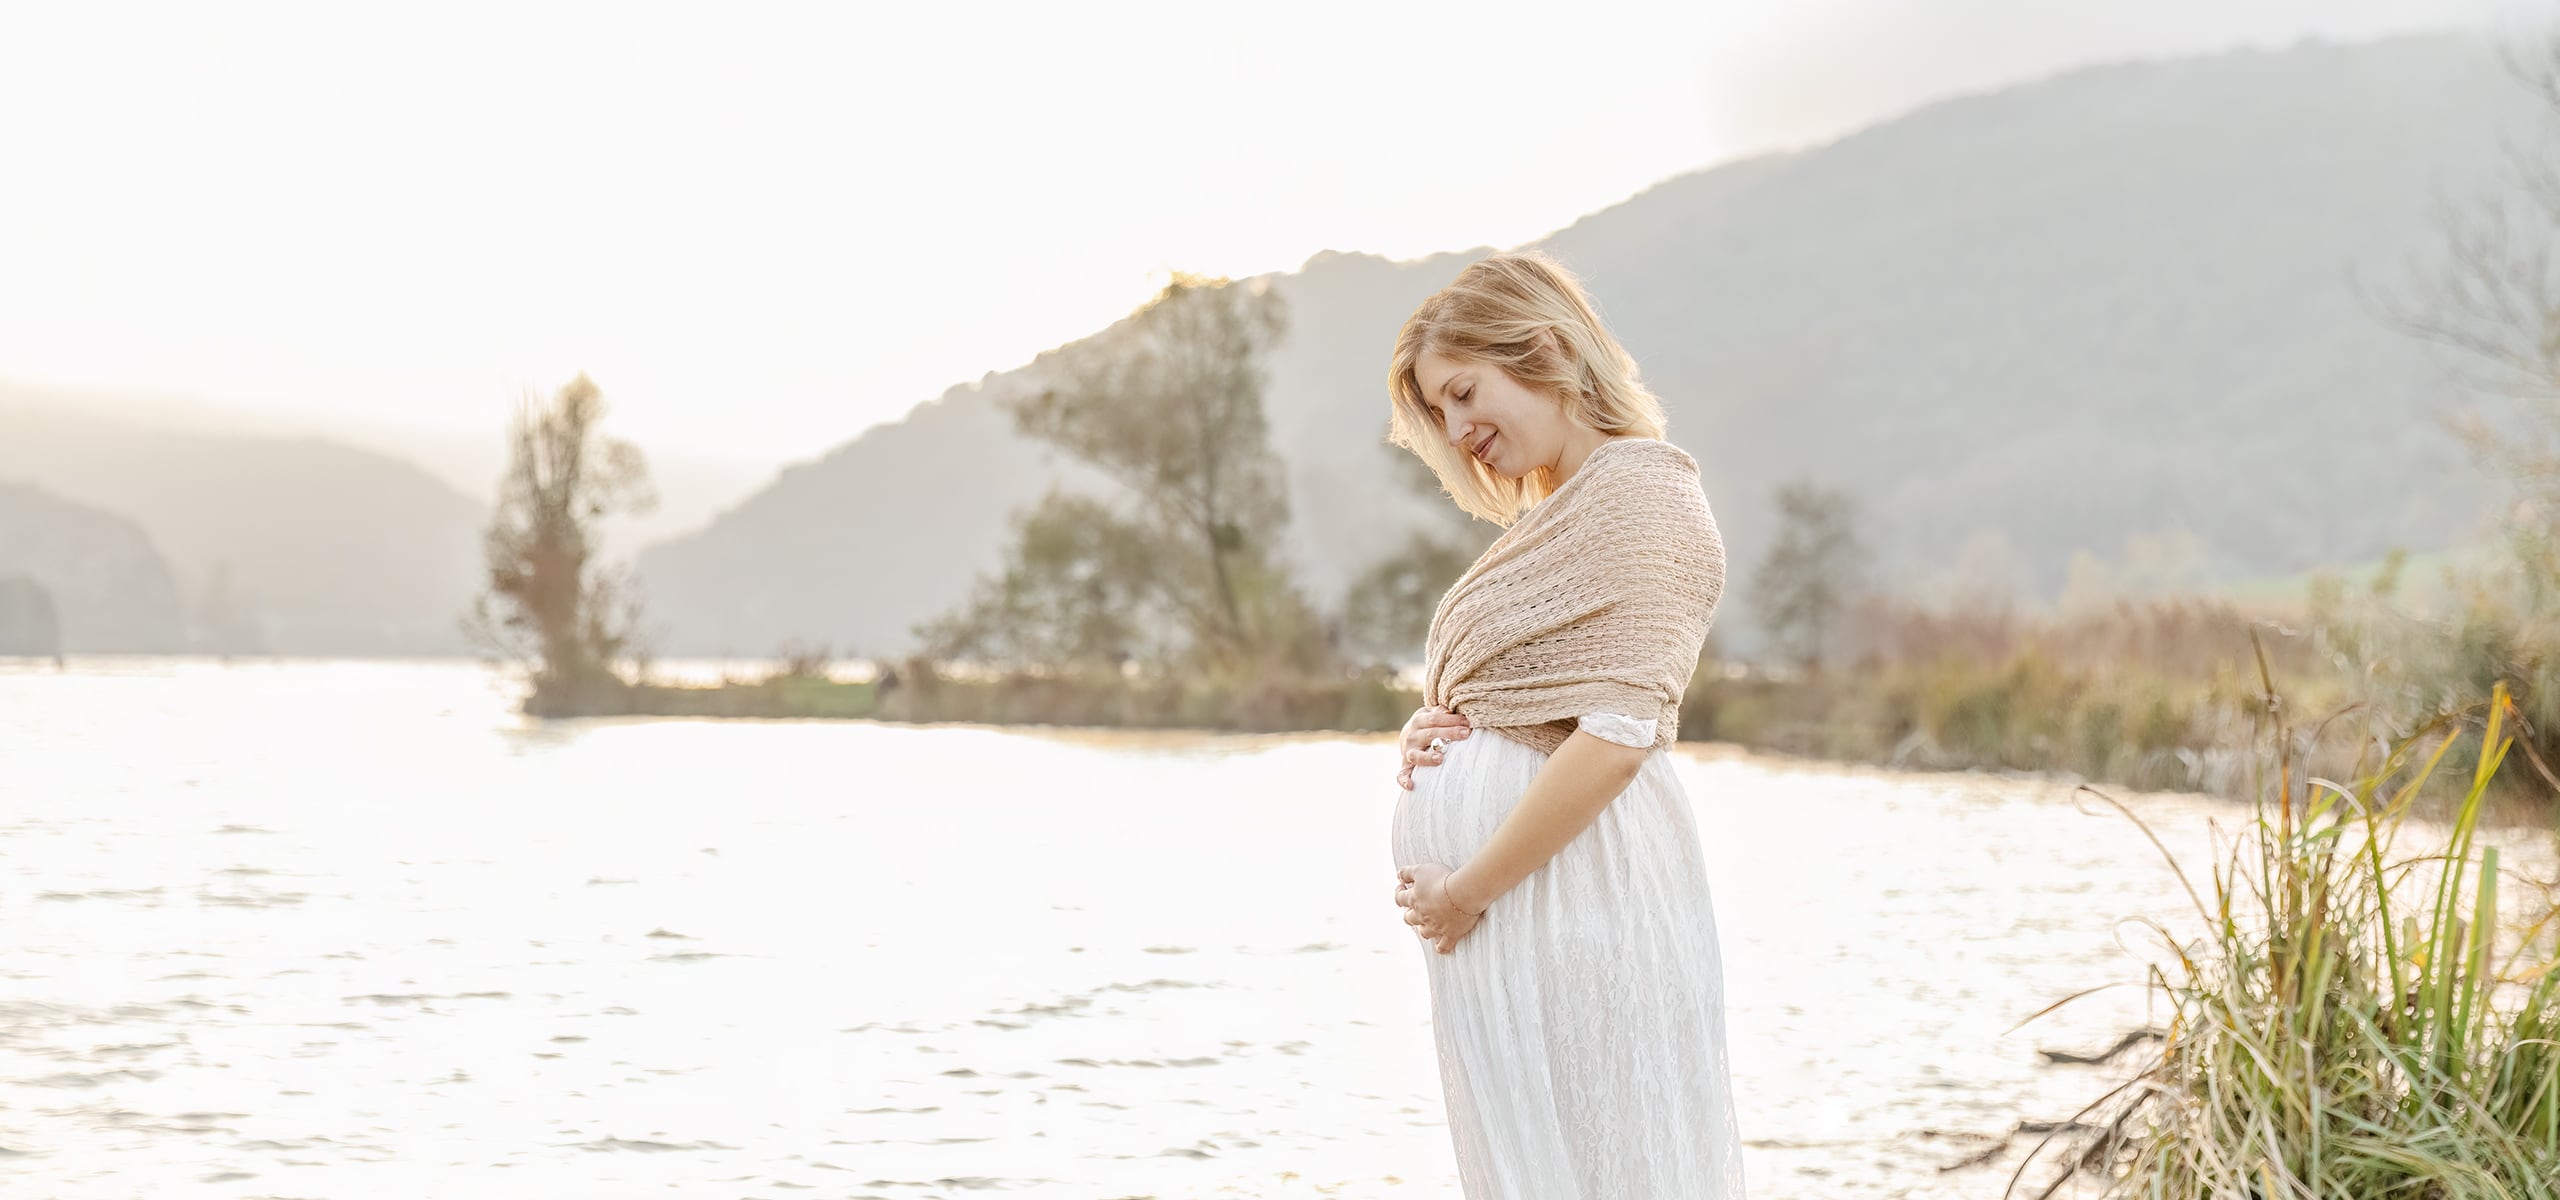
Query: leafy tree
x=1169, y=403
x=550, y=609
x=1813, y=568
x=1386, y=613
x=1080, y=588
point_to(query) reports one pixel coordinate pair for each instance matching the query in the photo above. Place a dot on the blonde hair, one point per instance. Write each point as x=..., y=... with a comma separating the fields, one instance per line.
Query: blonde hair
x=1525, y=313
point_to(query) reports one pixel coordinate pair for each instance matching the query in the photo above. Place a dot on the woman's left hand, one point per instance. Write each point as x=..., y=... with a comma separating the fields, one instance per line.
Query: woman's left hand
x=1422, y=891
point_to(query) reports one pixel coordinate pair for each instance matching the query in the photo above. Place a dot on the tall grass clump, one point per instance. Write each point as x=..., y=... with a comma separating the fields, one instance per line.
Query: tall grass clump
x=2364, y=1017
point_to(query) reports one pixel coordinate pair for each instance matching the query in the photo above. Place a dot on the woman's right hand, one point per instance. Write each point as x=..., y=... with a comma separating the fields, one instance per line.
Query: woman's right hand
x=1428, y=722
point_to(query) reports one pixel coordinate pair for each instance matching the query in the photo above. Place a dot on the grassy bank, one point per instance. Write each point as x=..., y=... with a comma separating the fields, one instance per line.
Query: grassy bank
x=921, y=691
x=2026, y=709
x=2373, y=1009
x=2160, y=695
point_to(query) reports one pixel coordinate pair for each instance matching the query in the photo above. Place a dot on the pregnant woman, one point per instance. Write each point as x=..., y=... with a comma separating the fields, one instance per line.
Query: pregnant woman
x=1552, y=868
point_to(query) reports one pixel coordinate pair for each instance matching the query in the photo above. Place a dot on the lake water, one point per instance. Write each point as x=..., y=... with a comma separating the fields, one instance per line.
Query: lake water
x=358, y=929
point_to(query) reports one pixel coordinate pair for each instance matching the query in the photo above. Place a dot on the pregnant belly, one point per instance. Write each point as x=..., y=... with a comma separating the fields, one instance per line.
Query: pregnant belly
x=1455, y=805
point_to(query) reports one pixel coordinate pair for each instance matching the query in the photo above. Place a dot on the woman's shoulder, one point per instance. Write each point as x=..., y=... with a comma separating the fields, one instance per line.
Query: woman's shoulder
x=1642, y=451
x=1654, y=488
x=1643, y=462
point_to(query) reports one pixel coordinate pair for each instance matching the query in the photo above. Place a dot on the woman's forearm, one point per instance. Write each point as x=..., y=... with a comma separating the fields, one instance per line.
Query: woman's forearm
x=1566, y=796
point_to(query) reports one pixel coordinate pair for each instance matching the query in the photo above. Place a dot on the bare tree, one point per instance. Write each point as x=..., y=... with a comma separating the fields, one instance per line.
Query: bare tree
x=2494, y=299
x=1813, y=568
x=550, y=608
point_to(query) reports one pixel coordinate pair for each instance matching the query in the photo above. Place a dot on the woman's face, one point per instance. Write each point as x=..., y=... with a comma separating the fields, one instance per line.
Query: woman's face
x=1486, y=413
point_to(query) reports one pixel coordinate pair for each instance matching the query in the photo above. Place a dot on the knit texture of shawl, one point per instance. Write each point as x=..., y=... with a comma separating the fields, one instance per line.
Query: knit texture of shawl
x=1597, y=599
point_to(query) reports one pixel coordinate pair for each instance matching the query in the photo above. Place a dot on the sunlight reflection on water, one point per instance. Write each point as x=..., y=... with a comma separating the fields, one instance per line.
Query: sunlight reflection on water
x=321, y=928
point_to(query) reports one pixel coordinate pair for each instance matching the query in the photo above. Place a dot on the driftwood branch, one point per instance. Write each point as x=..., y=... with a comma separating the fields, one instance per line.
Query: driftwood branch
x=2130, y=1040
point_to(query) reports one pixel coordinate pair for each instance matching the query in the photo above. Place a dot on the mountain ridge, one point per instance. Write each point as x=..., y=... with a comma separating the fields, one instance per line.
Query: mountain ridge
x=2062, y=314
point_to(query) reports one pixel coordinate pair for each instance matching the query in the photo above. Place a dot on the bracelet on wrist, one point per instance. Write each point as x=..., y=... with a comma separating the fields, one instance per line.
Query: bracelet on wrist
x=1453, y=897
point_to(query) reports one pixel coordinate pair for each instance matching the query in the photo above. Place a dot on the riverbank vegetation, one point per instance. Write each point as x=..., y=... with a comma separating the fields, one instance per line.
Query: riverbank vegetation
x=2373, y=1007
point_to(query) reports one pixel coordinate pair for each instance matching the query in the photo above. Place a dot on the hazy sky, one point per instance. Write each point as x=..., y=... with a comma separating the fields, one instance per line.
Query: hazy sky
x=762, y=228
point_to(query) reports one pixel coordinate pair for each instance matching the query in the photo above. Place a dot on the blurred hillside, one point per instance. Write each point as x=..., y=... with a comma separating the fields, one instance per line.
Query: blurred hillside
x=2111, y=305
x=297, y=546
x=108, y=588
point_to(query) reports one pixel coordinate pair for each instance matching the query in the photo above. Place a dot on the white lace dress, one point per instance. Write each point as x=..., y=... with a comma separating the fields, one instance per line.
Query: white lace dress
x=1581, y=1022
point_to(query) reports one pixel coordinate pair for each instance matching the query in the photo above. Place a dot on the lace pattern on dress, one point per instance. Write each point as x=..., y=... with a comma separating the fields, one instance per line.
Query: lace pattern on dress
x=1625, y=731
x=1580, y=1028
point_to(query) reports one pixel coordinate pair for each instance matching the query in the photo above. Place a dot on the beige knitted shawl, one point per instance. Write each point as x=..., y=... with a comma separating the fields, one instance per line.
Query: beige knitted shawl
x=1597, y=599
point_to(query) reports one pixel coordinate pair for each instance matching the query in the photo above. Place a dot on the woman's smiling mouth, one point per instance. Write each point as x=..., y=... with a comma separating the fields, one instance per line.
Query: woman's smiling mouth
x=1485, y=446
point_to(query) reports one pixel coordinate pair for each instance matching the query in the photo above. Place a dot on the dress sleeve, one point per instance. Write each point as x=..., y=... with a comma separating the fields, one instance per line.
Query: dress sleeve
x=1625, y=731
